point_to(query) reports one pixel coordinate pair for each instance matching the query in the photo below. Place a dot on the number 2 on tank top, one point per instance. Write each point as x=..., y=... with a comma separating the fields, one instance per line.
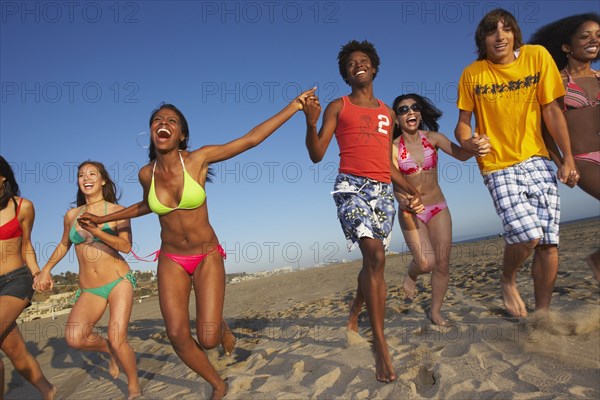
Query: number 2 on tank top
x=384, y=122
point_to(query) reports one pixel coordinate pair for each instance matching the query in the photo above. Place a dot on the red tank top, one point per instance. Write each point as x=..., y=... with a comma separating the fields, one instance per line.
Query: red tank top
x=363, y=135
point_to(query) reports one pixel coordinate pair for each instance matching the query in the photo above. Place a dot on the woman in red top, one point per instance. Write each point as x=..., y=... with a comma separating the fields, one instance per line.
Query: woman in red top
x=17, y=269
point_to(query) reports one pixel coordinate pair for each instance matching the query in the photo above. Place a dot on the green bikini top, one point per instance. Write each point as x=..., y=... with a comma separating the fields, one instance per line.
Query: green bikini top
x=193, y=195
x=76, y=238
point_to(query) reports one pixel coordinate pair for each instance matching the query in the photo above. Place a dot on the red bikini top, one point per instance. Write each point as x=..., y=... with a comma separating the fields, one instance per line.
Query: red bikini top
x=12, y=229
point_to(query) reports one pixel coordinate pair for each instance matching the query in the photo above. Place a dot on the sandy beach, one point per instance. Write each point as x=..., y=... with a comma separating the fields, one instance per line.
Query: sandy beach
x=292, y=342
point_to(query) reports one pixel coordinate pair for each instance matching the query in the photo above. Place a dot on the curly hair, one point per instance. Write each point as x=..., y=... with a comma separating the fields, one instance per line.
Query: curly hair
x=429, y=113
x=352, y=46
x=489, y=24
x=109, y=189
x=558, y=33
x=10, y=187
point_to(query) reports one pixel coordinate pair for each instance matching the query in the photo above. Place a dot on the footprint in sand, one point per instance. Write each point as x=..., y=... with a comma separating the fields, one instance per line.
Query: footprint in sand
x=354, y=339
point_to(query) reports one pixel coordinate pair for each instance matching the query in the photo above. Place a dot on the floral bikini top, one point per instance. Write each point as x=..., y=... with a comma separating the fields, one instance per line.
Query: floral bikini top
x=408, y=166
x=576, y=97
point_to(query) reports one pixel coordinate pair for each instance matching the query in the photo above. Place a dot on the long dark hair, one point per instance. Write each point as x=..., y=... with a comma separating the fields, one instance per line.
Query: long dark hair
x=429, y=113
x=489, y=24
x=553, y=35
x=9, y=188
x=109, y=189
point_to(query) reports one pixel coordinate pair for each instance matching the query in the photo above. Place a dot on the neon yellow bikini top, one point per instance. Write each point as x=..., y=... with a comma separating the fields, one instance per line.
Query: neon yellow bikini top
x=193, y=195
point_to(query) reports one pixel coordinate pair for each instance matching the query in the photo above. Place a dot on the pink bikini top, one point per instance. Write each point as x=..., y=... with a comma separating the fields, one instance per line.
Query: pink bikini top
x=408, y=166
x=576, y=97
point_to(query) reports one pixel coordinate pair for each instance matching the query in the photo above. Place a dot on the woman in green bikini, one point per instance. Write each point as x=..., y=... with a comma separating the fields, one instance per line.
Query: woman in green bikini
x=104, y=276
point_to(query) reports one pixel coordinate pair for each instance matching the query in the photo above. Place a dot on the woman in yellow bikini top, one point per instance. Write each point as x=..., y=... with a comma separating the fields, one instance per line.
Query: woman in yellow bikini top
x=190, y=252
x=193, y=194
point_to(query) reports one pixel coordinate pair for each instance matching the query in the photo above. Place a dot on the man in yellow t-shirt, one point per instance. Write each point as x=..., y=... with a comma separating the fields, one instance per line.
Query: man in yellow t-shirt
x=511, y=88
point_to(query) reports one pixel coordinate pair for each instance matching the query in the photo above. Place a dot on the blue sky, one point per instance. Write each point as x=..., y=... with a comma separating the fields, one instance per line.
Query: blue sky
x=79, y=80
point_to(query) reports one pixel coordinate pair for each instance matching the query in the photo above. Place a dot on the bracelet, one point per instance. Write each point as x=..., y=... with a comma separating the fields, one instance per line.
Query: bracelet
x=37, y=273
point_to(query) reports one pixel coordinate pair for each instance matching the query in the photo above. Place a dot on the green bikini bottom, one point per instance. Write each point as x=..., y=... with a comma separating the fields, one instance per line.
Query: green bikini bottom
x=104, y=291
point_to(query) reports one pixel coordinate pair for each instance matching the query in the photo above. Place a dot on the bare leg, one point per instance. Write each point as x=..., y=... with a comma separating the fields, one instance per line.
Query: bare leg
x=590, y=176
x=228, y=340
x=121, y=300
x=13, y=345
x=79, y=331
x=544, y=270
x=593, y=261
x=440, y=235
x=416, y=236
x=356, y=305
x=174, y=286
x=514, y=256
x=373, y=288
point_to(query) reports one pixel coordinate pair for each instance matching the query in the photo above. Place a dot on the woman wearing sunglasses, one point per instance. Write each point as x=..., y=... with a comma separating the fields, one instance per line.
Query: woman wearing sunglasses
x=428, y=234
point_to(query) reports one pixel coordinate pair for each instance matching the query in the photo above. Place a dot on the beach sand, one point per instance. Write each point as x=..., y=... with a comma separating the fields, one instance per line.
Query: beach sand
x=292, y=342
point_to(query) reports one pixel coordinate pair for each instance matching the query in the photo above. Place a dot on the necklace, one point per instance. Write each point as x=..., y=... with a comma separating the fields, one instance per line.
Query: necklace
x=94, y=202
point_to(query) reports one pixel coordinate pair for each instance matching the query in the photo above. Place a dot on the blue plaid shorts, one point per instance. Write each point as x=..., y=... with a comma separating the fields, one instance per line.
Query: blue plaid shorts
x=365, y=208
x=526, y=199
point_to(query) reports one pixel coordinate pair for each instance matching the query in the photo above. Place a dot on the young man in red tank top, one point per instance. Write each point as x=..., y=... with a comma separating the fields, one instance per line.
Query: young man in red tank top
x=363, y=192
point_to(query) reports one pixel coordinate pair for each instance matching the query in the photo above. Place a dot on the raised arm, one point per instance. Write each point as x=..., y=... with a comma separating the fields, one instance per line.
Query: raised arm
x=216, y=153
x=317, y=144
x=44, y=281
x=556, y=126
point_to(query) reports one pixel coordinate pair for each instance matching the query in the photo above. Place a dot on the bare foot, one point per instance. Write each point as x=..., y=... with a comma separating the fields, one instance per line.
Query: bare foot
x=437, y=319
x=512, y=300
x=50, y=394
x=352, y=323
x=593, y=261
x=113, y=367
x=219, y=391
x=134, y=389
x=228, y=341
x=384, y=370
x=409, y=286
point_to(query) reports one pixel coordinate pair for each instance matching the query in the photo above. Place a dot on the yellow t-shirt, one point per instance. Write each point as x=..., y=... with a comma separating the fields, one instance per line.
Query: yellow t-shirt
x=506, y=100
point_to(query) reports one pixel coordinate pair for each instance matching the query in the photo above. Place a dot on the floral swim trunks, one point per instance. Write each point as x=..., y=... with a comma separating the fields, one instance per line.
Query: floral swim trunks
x=365, y=208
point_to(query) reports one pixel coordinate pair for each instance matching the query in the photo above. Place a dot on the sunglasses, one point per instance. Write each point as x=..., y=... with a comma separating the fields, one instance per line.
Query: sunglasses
x=403, y=110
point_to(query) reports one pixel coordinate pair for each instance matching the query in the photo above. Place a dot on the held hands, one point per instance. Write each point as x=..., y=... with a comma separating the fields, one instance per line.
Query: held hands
x=88, y=224
x=478, y=145
x=567, y=173
x=409, y=203
x=43, y=281
x=301, y=100
x=87, y=220
x=311, y=108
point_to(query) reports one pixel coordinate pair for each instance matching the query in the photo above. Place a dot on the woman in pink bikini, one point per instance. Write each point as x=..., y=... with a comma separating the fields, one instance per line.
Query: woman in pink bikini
x=428, y=234
x=17, y=269
x=574, y=43
x=190, y=252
